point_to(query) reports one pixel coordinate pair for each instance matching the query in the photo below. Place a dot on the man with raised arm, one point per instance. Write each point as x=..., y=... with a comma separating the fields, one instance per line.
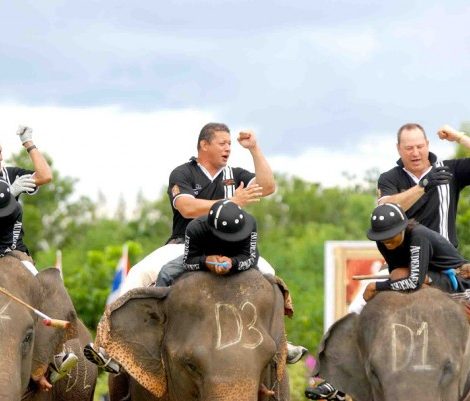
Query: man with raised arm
x=426, y=188
x=196, y=185
x=193, y=188
x=22, y=180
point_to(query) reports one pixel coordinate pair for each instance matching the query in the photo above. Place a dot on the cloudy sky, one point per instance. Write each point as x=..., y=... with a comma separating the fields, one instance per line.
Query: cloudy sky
x=117, y=91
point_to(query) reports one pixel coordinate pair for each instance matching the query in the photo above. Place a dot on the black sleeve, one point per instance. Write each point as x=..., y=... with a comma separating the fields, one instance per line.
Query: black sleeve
x=242, y=175
x=180, y=183
x=461, y=170
x=194, y=258
x=14, y=172
x=386, y=185
x=420, y=255
x=248, y=256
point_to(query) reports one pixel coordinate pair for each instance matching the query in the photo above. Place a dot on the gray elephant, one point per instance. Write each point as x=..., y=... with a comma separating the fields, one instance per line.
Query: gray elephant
x=403, y=346
x=27, y=346
x=207, y=337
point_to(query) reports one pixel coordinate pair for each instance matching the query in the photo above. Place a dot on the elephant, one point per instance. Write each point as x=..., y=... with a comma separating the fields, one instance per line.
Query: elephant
x=207, y=337
x=28, y=346
x=402, y=346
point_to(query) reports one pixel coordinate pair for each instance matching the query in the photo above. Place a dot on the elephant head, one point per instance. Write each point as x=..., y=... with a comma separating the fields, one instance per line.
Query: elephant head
x=27, y=345
x=55, y=302
x=403, y=346
x=205, y=338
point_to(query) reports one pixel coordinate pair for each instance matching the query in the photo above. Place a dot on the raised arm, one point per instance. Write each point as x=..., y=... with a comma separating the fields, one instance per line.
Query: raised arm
x=42, y=171
x=264, y=175
x=450, y=134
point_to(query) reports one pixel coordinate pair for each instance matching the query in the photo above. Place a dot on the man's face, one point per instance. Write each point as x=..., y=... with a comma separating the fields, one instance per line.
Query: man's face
x=395, y=241
x=414, y=151
x=218, y=149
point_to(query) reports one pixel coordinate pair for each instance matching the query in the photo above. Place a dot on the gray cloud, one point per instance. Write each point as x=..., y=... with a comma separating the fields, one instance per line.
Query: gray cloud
x=305, y=73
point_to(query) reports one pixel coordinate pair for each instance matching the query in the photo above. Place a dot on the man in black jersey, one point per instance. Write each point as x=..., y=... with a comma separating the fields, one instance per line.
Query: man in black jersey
x=22, y=180
x=427, y=189
x=223, y=242
x=414, y=254
x=11, y=225
x=195, y=186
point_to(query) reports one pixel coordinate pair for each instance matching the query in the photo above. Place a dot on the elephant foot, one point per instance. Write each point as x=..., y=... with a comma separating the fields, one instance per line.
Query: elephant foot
x=263, y=390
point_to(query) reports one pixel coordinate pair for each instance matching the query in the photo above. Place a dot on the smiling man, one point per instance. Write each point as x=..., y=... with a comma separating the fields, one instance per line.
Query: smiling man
x=196, y=185
x=427, y=189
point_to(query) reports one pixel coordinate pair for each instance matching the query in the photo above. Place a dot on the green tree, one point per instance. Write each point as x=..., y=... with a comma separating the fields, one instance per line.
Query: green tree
x=52, y=219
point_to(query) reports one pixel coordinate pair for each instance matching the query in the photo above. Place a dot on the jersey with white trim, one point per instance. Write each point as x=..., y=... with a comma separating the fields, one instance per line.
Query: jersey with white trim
x=437, y=208
x=422, y=249
x=10, y=174
x=200, y=242
x=11, y=233
x=190, y=180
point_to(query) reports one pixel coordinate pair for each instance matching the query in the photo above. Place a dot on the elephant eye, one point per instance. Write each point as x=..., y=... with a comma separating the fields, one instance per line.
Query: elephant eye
x=447, y=373
x=27, y=341
x=190, y=366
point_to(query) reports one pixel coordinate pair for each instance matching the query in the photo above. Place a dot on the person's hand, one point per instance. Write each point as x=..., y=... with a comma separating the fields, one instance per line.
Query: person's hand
x=23, y=183
x=247, y=139
x=243, y=196
x=43, y=384
x=369, y=292
x=25, y=133
x=450, y=134
x=212, y=263
x=437, y=176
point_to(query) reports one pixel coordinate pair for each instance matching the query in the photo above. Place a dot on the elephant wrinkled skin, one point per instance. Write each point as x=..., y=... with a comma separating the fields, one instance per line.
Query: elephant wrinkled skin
x=208, y=337
x=403, y=346
x=27, y=346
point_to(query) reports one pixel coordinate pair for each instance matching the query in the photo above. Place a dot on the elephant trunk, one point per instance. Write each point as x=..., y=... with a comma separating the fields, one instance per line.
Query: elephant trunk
x=421, y=392
x=236, y=389
x=10, y=386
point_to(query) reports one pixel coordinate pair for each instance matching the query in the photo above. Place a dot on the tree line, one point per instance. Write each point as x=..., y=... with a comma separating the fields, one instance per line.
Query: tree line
x=293, y=225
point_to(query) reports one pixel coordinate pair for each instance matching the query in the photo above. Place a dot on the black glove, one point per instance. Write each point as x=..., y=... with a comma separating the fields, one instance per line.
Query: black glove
x=437, y=176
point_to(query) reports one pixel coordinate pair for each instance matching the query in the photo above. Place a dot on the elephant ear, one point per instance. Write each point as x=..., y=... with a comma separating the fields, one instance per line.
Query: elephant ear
x=56, y=303
x=131, y=331
x=340, y=361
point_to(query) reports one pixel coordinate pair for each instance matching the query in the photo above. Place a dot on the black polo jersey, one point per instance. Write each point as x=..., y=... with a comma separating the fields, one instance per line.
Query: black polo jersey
x=200, y=243
x=190, y=179
x=11, y=233
x=9, y=174
x=437, y=208
x=422, y=249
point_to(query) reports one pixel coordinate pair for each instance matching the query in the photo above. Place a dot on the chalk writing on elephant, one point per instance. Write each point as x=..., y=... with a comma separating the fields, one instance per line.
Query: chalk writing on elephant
x=409, y=347
x=237, y=326
x=3, y=313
